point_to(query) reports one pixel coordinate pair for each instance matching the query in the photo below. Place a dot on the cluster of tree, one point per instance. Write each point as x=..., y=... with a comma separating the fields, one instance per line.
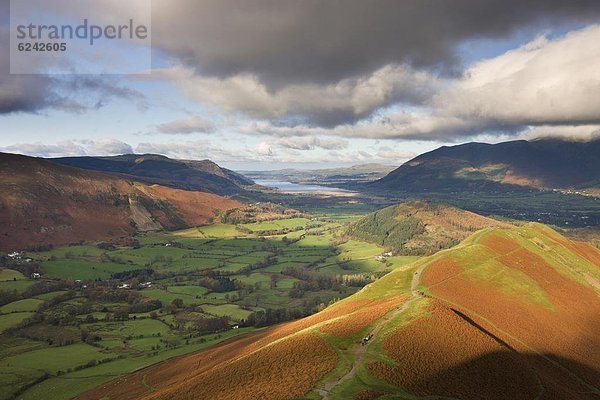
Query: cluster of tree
x=104, y=293
x=144, y=274
x=220, y=284
x=356, y=280
x=204, y=324
x=89, y=338
x=106, y=246
x=243, y=229
x=8, y=296
x=137, y=303
x=40, y=247
x=274, y=316
x=130, y=242
x=66, y=336
x=258, y=212
x=121, y=314
x=145, y=305
x=289, y=241
x=313, y=281
x=282, y=231
x=387, y=228
x=59, y=312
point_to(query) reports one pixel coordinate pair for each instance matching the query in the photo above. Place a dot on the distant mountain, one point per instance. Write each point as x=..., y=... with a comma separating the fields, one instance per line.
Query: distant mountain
x=540, y=164
x=205, y=175
x=330, y=176
x=46, y=203
x=507, y=314
x=419, y=227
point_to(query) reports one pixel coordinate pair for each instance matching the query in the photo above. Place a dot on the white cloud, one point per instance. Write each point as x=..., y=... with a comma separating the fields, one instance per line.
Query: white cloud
x=187, y=126
x=310, y=143
x=68, y=148
x=108, y=147
x=393, y=155
x=581, y=132
x=541, y=83
x=264, y=149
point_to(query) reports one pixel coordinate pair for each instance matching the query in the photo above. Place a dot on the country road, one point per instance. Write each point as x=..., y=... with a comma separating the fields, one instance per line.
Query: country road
x=360, y=349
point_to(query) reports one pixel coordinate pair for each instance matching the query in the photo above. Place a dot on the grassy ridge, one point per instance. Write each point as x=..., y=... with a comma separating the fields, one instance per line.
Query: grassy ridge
x=419, y=228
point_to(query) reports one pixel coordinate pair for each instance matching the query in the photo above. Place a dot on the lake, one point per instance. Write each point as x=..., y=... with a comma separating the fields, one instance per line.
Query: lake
x=289, y=187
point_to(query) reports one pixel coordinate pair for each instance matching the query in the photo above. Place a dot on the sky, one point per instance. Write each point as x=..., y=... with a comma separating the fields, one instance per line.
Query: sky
x=261, y=84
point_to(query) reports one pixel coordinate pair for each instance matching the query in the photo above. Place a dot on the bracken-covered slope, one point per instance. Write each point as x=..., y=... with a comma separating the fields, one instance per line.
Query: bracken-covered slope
x=543, y=163
x=203, y=175
x=507, y=314
x=419, y=227
x=46, y=203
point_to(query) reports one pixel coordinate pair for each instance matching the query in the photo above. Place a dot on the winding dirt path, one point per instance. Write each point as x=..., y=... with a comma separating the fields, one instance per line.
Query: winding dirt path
x=360, y=349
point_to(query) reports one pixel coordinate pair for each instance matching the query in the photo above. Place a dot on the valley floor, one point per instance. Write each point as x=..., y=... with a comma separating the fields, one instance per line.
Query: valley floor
x=98, y=311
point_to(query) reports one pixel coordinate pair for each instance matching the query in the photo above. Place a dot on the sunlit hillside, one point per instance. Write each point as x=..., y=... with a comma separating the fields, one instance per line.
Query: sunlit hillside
x=508, y=313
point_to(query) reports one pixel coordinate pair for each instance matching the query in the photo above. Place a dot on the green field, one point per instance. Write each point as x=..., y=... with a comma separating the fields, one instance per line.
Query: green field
x=232, y=310
x=277, y=225
x=12, y=319
x=81, y=269
x=19, y=286
x=54, y=359
x=10, y=275
x=21, y=305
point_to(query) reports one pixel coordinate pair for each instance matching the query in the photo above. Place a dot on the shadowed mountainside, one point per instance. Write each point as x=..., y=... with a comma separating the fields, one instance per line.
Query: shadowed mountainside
x=204, y=175
x=46, y=203
x=508, y=166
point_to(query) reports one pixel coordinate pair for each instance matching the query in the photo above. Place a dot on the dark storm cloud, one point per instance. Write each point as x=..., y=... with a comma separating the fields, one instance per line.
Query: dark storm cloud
x=34, y=93
x=324, y=41
x=18, y=92
x=26, y=93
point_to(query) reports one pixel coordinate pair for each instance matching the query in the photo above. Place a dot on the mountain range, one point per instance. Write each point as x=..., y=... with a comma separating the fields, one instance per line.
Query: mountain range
x=510, y=166
x=203, y=175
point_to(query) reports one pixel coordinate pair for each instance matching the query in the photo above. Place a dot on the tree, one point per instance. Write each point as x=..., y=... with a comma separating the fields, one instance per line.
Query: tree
x=177, y=302
x=121, y=314
x=274, y=279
